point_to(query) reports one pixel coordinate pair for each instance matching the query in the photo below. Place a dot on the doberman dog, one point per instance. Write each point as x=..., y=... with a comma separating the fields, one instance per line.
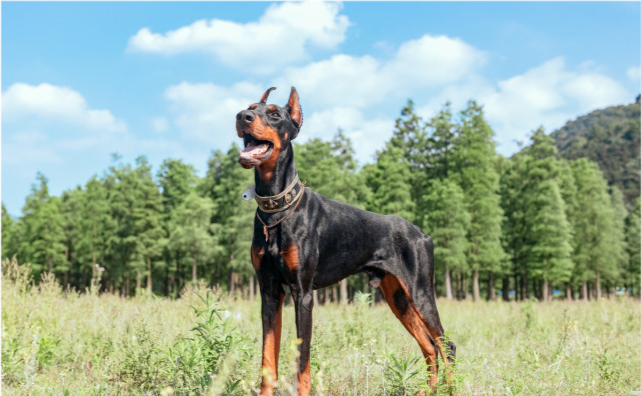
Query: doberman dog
x=307, y=241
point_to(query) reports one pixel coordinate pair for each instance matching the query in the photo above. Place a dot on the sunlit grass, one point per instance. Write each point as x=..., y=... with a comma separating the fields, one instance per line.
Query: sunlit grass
x=57, y=343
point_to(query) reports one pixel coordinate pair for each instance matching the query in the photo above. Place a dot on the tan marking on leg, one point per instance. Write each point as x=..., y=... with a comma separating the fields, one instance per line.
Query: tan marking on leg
x=304, y=381
x=271, y=351
x=412, y=322
x=290, y=256
x=257, y=255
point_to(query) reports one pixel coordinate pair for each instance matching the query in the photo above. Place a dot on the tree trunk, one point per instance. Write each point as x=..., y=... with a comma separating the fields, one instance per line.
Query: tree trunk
x=545, y=292
x=343, y=292
x=459, y=286
x=326, y=295
x=584, y=290
x=315, y=296
x=127, y=285
x=138, y=281
x=194, y=268
x=232, y=282
x=598, y=286
x=568, y=291
x=251, y=287
x=93, y=247
x=491, y=293
x=506, y=288
x=149, y=280
x=476, y=292
x=448, y=284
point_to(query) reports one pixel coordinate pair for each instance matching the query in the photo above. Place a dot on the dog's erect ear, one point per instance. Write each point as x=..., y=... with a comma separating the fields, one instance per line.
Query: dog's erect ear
x=295, y=112
x=263, y=100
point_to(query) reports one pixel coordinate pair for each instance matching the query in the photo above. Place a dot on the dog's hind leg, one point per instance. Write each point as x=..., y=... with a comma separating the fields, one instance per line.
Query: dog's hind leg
x=398, y=299
x=425, y=305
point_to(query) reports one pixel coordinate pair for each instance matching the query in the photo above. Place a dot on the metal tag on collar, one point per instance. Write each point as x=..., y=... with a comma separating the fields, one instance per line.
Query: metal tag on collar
x=250, y=193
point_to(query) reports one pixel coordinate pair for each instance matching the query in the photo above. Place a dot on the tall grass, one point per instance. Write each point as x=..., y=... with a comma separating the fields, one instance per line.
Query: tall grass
x=61, y=342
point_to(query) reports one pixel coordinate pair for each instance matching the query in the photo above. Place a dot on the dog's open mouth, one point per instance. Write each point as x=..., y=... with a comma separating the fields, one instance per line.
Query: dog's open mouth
x=255, y=152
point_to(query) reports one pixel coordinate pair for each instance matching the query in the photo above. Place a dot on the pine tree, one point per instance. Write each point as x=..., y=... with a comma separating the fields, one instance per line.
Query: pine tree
x=120, y=184
x=447, y=222
x=96, y=226
x=191, y=228
x=442, y=136
x=593, y=223
x=8, y=233
x=233, y=220
x=633, y=237
x=390, y=181
x=42, y=239
x=330, y=169
x=476, y=172
x=618, y=246
x=410, y=135
x=548, y=232
x=149, y=235
x=550, y=249
x=177, y=181
x=567, y=186
x=48, y=244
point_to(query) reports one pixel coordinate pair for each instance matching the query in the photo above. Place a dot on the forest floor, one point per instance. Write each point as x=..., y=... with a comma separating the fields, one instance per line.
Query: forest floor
x=66, y=343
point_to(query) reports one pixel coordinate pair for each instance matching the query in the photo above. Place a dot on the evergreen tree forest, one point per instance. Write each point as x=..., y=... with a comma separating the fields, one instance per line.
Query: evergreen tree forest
x=536, y=225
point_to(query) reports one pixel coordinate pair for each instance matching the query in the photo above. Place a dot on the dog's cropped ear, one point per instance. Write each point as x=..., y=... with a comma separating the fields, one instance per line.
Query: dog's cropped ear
x=295, y=112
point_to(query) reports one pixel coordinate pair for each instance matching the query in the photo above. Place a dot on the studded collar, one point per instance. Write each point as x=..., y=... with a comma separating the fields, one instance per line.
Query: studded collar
x=281, y=201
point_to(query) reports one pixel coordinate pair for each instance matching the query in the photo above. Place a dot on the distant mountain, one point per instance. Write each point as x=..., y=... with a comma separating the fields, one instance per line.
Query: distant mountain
x=611, y=138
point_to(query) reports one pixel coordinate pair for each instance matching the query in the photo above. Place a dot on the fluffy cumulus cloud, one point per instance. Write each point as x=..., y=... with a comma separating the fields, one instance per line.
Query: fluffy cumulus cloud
x=159, y=124
x=53, y=103
x=206, y=112
x=27, y=147
x=354, y=93
x=367, y=134
x=427, y=62
x=281, y=36
x=547, y=95
x=634, y=73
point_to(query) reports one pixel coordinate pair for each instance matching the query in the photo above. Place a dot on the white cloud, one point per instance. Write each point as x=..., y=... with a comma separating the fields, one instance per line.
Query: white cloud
x=159, y=124
x=281, y=36
x=207, y=113
x=52, y=103
x=428, y=62
x=547, y=95
x=434, y=61
x=634, y=73
x=367, y=135
x=27, y=147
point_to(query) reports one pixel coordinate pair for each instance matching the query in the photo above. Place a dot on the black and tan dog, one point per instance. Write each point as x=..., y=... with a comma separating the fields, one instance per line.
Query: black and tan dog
x=307, y=241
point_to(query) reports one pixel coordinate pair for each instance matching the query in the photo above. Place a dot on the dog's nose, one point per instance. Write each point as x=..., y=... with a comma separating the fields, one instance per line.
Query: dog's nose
x=247, y=116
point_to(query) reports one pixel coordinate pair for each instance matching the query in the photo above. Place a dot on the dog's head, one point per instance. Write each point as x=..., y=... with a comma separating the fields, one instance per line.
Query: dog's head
x=266, y=129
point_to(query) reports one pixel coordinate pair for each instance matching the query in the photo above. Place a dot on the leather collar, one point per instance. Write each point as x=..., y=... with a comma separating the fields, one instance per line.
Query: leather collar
x=283, y=200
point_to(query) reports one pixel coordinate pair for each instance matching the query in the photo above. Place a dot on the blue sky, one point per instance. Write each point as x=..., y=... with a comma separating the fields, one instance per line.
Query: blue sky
x=81, y=80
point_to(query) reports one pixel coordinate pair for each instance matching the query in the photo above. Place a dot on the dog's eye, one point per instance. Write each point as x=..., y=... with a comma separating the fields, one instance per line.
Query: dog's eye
x=275, y=115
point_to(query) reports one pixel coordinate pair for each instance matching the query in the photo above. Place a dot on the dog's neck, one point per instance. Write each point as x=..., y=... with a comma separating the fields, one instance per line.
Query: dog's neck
x=282, y=175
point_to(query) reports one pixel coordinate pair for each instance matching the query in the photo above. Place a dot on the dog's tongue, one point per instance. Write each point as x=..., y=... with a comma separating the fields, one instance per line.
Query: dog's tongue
x=254, y=149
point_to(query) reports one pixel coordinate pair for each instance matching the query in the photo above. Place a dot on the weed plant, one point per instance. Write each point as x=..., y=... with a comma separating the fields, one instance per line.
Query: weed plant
x=62, y=342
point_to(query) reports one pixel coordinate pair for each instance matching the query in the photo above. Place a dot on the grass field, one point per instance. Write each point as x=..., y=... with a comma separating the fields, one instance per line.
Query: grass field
x=57, y=343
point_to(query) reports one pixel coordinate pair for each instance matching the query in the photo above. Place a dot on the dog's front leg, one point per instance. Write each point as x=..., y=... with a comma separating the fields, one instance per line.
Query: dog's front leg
x=304, y=301
x=272, y=295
